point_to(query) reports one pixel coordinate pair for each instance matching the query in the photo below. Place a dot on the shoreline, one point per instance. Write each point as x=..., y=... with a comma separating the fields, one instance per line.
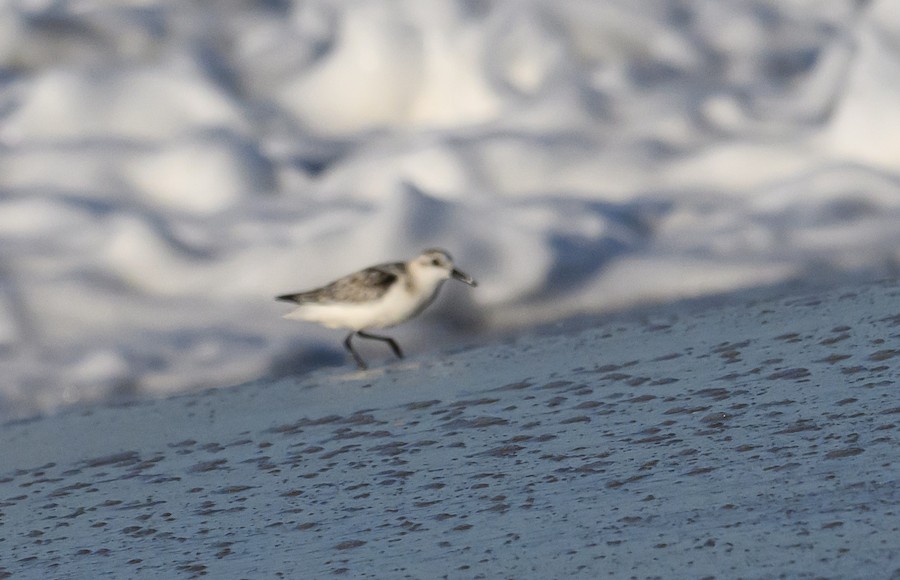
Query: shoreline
x=755, y=439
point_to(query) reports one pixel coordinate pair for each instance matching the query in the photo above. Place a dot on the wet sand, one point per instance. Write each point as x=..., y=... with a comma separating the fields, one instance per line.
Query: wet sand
x=752, y=440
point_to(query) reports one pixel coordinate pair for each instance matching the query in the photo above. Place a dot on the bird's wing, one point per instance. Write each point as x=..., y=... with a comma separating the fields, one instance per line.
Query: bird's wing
x=369, y=284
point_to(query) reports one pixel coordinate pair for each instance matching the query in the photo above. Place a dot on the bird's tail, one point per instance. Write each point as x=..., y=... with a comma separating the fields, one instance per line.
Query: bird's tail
x=296, y=298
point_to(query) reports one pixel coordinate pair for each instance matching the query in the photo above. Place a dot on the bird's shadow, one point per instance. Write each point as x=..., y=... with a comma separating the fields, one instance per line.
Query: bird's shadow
x=302, y=358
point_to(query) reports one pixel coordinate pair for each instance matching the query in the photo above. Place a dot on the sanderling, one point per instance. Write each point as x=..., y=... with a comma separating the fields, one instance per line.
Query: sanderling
x=377, y=297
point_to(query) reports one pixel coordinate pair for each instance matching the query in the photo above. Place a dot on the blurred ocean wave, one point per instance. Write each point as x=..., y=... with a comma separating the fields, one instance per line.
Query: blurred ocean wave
x=168, y=167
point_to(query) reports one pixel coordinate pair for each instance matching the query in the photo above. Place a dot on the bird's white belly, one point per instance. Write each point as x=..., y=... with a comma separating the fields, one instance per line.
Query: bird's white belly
x=393, y=308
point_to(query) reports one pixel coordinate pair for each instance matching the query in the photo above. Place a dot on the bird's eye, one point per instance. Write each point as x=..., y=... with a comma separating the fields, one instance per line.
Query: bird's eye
x=435, y=262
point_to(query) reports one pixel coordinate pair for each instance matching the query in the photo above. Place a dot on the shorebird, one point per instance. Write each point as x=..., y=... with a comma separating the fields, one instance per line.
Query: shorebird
x=377, y=297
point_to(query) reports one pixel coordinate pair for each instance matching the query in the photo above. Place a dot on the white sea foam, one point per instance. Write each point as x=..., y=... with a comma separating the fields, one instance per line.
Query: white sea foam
x=166, y=168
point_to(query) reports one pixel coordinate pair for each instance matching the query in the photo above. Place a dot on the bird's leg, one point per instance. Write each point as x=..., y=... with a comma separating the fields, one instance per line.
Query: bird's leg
x=394, y=346
x=356, y=357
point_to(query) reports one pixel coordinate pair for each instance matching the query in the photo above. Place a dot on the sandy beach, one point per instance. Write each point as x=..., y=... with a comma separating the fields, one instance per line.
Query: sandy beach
x=756, y=440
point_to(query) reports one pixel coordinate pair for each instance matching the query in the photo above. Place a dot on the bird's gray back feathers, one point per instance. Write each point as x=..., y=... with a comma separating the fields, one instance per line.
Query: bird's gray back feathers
x=363, y=286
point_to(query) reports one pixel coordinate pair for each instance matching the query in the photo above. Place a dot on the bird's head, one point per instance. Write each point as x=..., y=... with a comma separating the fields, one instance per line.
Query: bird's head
x=435, y=266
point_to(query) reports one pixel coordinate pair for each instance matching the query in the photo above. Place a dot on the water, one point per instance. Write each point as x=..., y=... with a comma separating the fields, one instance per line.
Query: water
x=168, y=167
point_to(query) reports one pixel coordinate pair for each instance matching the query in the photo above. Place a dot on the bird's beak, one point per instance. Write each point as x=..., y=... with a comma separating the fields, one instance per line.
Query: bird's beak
x=463, y=277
